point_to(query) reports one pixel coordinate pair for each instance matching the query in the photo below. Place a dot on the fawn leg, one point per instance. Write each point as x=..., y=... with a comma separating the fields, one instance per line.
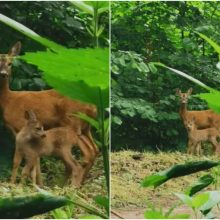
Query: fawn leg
x=30, y=164
x=16, y=163
x=72, y=166
x=34, y=174
x=189, y=149
x=39, y=181
x=215, y=144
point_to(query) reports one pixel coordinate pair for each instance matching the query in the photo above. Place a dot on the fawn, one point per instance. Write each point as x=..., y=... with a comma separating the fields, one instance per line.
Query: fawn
x=50, y=107
x=196, y=136
x=32, y=142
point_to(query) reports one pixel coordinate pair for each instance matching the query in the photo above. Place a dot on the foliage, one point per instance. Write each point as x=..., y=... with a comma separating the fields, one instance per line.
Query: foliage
x=96, y=9
x=89, y=83
x=203, y=202
x=200, y=184
x=177, y=171
x=28, y=206
x=153, y=213
x=141, y=28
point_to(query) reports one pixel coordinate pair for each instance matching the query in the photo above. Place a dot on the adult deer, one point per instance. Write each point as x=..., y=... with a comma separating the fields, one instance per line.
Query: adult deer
x=50, y=107
x=202, y=119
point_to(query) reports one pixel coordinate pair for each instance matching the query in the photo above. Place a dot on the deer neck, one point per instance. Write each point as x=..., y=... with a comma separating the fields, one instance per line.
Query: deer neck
x=4, y=89
x=183, y=109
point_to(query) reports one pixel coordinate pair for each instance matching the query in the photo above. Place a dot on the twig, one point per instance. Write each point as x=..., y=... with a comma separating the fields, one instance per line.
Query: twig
x=116, y=214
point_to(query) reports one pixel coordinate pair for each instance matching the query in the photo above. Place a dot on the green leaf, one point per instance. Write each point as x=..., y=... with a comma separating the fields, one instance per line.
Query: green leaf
x=153, y=215
x=28, y=206
x=210, y=41
x=183, y=75
x=29, y=33
x=200, y=184
x=83, y=6
x=94, y=123
x=79, y=73
x=185, y=199
x=200, y=200
x=180, y=216
x=212, y=98
x=103, y=202
x=213, y=200
x=177, y=171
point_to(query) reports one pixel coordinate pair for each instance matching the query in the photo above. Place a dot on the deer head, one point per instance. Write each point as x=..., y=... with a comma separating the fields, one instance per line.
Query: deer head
x=190, y=123
x=35, y=128
x=6, y=60
x=184, y=96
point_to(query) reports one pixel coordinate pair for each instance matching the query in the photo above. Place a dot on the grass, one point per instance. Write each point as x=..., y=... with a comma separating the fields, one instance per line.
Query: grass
x=128, y=168
x=53, y=176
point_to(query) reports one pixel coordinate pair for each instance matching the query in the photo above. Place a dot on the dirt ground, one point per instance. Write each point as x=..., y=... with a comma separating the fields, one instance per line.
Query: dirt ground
x=128, y=168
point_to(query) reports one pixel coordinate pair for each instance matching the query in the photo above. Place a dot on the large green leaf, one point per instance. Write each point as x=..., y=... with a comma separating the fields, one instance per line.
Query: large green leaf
x=29, y=33
x=177, y=171
x=79, y=73
x=28, y=206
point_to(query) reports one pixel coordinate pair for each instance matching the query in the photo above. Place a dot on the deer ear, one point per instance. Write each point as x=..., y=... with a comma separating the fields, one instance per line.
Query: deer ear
x=15, y=50
x=30, y=115
x=178, y=91
x=189, y=91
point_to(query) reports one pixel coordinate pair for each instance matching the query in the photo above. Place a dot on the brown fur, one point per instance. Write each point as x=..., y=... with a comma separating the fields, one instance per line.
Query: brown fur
x=203, y=118
x=196, y=136
x=32, y=142
x=50, y=107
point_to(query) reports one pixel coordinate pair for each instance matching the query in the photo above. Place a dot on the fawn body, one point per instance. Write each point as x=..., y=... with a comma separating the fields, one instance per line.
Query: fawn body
x=32, y=142
x=51, y=109
x=197, y=136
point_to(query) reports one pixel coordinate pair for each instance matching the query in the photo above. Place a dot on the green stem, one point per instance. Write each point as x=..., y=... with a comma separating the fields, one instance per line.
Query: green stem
x=96, y=23
x=89, y=208
x=104, y=148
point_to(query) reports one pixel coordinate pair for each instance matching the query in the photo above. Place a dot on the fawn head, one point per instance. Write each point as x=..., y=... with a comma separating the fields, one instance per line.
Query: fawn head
x=184, y=96
x=35, y=128
x=190, y=123
x=6, y=60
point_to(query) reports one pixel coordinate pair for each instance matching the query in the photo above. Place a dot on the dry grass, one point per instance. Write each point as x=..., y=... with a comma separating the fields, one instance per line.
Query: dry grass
x=127, y=173
x=53, y=178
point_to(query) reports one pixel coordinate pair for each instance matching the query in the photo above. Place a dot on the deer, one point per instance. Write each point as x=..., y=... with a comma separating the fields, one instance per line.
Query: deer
x=50, y=107
x=196, y=136
x=33, y=142
x=202, y=119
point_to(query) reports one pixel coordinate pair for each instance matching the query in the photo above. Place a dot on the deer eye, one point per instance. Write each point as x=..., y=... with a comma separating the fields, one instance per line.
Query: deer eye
x=38, y=128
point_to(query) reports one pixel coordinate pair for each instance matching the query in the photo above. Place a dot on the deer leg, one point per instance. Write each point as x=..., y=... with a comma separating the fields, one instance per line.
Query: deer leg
x=89, y=155
x=190, y=146
x=16, y=163
x=39, y=181
x=29, y=166
x=72, y=167
x=214, y=143
x=34, y=174
x=91, y=142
